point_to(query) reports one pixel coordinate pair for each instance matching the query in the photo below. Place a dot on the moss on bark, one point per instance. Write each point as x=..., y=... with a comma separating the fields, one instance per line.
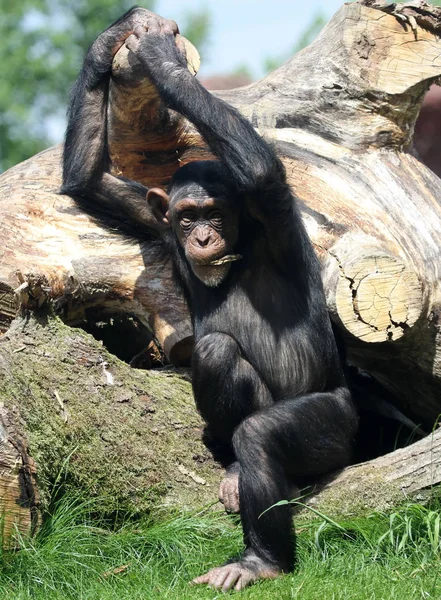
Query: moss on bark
x=130, y=438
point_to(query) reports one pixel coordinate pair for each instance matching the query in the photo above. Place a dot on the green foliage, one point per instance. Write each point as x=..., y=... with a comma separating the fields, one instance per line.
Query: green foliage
x=42, y=43
x=242, y=70
x=41, y=47
x=408, y=528
x=196, y=27
x=382, y=557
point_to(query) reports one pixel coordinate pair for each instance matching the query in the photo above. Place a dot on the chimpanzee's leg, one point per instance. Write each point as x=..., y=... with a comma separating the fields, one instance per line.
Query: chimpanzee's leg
x=226, y=387
x=309, y=435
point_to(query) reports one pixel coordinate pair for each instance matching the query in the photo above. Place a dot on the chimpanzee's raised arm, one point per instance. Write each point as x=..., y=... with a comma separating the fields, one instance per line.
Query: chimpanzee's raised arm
x=85, y=159
x=250, y=162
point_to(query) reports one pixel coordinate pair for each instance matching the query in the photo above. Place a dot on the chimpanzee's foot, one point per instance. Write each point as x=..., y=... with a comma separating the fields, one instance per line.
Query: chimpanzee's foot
x=238, y=575
x=229, y=491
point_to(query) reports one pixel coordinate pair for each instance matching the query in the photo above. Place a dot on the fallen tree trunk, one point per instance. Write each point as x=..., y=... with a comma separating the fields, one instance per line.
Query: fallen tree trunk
x=410, y=473
x=73, y=415
x=342, y=113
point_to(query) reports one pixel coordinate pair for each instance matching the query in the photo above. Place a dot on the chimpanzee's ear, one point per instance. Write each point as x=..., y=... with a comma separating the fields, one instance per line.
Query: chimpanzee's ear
x=158, y=201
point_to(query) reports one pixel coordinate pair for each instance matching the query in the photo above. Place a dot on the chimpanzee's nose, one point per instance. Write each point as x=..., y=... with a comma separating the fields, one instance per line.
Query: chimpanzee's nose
x=203, y=238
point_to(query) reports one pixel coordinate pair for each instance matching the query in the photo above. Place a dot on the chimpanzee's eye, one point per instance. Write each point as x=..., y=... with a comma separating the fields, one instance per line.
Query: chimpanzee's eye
x=216, y=218
x=186, y=219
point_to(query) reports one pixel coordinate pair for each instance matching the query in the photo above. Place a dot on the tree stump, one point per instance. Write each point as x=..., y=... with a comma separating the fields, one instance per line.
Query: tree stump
x=341, y=114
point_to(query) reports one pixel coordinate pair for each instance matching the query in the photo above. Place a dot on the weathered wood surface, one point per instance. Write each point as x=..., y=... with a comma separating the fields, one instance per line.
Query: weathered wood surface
x=51, y=244
x=45, y=235
x=410, y=473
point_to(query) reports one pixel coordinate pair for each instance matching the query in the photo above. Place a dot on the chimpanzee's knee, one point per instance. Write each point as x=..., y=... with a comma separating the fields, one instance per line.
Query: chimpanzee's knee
x=215, y=351
x=254, y=437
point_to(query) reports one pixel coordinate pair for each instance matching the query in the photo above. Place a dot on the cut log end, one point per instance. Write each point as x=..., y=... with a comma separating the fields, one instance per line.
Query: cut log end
x=378, y=298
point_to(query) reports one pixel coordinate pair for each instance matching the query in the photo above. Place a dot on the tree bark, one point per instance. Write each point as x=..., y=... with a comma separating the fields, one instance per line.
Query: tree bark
x=341, y=113
x=72, y=414
x=410, y=473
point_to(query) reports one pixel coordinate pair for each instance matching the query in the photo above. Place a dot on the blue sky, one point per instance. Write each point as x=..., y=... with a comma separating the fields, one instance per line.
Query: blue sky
x=245, y=32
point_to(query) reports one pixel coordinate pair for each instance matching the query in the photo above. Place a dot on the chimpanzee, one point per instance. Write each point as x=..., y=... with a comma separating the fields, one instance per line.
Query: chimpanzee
x=266, y=372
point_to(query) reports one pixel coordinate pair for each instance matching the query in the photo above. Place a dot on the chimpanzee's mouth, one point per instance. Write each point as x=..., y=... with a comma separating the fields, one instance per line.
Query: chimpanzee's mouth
x=225, y=259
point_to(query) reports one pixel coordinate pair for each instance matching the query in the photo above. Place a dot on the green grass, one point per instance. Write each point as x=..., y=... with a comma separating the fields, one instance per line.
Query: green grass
x=386, y=557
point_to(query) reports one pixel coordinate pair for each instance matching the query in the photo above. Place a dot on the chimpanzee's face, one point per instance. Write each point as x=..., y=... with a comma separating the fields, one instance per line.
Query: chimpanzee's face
x=200, y=209
x=207, y=230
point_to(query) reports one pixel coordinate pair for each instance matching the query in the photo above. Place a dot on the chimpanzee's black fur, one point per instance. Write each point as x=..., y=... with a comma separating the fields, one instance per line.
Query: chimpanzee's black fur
x=266, y=372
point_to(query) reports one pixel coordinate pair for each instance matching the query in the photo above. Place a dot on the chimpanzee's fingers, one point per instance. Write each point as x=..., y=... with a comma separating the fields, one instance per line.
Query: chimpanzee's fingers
x=181, y=47
x=232, y=579
x=132, y=42
x=206, y=578
x=139, y=31
x=222, y=494
x=170, y=26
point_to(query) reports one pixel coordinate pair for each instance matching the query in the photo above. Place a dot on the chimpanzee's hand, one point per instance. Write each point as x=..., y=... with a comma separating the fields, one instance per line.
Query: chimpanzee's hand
x=110, y=41
x=157, y=49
